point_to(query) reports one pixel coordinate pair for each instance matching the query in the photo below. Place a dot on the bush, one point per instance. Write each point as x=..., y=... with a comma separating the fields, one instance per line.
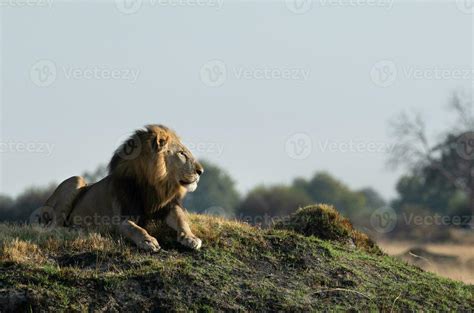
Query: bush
x=324, y=222
x=216, y=194
x=19, y=209
x=263, y=204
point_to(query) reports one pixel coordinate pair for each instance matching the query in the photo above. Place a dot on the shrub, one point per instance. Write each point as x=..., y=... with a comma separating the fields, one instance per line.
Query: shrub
x=324, y=222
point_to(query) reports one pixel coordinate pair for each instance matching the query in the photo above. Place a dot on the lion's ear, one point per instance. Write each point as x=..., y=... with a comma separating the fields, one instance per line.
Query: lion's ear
x=158, y=143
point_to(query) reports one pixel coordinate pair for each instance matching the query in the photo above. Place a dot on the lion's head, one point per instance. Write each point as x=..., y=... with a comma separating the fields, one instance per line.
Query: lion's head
x=155, y=157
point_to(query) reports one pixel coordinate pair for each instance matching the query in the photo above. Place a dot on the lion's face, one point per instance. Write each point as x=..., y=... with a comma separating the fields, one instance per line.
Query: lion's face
x=162, y=161
x=182, y=165
x=173, y=159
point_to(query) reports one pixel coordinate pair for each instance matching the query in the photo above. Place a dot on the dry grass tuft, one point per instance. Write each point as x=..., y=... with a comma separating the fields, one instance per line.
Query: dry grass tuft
x=210, y=228
x=20, y=251
x=91, y=242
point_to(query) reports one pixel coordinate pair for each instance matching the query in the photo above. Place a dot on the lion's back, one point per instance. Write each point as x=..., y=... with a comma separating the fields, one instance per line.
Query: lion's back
x=96, y=206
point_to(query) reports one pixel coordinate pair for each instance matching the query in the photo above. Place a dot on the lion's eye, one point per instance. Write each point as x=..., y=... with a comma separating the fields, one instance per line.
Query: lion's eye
x=182, y=155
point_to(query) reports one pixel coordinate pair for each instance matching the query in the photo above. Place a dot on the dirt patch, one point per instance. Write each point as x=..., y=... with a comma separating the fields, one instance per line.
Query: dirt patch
x=93, y=260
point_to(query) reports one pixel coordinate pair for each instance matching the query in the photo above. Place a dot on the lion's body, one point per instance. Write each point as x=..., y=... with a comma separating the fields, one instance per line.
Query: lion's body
x=149, y=174
x=93, y=204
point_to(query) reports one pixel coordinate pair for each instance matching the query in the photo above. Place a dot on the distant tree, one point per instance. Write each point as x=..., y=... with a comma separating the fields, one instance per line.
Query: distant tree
x=323, y=188
x=6, y=203
x=216, y=193
x=373, y=200
x=99, y=173
x=441, y=173
x=19, y=209
x=264, y=203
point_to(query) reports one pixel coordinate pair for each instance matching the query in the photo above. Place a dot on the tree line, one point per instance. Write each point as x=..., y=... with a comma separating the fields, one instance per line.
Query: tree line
x=217, y=194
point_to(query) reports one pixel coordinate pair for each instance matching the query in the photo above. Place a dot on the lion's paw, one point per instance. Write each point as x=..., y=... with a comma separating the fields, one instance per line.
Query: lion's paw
x=149, y=243
x=191, y=242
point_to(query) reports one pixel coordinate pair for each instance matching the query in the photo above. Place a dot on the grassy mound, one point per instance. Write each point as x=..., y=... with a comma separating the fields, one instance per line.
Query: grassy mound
x=324, y=222
x=239, y=268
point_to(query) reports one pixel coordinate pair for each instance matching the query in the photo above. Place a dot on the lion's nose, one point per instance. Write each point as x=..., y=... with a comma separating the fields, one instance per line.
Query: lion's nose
x=199, y=171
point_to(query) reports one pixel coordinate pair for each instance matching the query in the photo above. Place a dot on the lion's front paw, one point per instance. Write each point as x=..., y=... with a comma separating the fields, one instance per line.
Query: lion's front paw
x=192, y=242
x=149, y=243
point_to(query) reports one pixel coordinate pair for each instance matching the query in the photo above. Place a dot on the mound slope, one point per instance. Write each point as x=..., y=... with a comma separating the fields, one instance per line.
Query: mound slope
x=240, y=268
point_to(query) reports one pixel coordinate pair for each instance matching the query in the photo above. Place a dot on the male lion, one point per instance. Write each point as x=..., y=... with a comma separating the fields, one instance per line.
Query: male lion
x=149, y=174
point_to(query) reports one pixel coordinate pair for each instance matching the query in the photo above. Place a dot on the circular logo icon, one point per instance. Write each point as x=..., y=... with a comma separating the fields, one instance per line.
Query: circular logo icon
x=384, y=73
x=465, y=6
x=299, y=146
x=213, y=73
x=129, y=147
x=460, y=183
x=299, y=6
x=43, y=73
x=465, y=146
x=384, y=220
x=128, y=6
x=43, y=216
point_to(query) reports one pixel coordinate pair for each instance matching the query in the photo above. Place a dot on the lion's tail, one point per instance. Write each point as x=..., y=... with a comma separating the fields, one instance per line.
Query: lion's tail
x=58, y=207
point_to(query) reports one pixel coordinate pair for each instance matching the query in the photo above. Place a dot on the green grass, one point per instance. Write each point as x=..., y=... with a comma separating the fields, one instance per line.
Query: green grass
x=239, y=268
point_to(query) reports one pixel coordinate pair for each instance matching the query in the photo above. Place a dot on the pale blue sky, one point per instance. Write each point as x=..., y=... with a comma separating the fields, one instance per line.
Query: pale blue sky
x=325, y=74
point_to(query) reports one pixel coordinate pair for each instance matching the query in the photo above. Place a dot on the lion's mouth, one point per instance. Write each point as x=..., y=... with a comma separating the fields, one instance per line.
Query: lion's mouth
x=190, y=185
x=186, y=182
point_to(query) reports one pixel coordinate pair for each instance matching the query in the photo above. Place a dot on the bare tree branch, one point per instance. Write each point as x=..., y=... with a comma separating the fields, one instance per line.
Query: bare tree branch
x=413, y=148
x=461, y=105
